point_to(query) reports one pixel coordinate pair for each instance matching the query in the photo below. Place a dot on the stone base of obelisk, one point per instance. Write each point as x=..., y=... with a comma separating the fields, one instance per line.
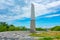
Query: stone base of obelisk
x=32, y=31
x=32, y=26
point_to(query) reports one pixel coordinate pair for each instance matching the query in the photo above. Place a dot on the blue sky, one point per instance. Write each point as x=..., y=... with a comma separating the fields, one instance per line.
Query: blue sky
x=17, y=12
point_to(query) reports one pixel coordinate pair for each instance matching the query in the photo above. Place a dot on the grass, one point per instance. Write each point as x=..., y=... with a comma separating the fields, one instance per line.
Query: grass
x=51, y=35
x=46, y=38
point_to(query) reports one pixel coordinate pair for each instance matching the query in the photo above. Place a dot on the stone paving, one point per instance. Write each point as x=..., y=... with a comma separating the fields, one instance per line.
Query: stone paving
x=15, y=35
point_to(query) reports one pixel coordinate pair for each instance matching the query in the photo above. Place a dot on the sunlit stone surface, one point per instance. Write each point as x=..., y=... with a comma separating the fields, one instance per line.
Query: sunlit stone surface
x=32, y=25
x=16, y=35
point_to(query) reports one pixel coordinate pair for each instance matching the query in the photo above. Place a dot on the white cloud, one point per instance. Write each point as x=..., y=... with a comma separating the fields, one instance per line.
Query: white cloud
x=10, y=2
x=54, y=15
x=5, y=3
x=10, y=18
x=40, y=9
x=26, y=12
x=2, y=1
x=16, y=9
x=53, y=4
x=2, y=7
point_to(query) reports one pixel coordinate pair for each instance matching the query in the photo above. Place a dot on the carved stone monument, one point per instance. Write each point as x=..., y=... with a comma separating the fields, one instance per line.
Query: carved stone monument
x=32, y=23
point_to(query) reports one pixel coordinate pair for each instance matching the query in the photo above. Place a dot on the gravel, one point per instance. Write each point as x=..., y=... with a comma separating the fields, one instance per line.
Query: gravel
x=16, y=35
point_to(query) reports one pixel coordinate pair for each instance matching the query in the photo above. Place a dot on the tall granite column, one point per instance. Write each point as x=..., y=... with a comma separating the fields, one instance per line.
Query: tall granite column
x=32, y=23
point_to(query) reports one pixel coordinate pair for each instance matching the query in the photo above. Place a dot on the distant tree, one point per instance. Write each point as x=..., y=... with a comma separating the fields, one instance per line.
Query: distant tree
x=40, y=29
x=56, y=28
x=11, y=28
x=17, y=28
x=3, y=26
x=23, y=28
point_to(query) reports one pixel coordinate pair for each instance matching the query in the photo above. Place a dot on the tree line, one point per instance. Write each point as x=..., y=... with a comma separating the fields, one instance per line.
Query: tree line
x=5, y=27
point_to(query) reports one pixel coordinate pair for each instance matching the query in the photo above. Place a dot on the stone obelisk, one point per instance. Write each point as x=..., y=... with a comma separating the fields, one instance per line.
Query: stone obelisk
x=32, y=23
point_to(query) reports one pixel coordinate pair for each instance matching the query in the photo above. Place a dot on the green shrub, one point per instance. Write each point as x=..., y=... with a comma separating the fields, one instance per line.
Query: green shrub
x=56, y=28
x=46, y=38
x=40, y=29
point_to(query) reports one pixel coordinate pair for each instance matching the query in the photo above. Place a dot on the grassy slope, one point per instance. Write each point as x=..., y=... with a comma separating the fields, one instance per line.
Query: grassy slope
x=47, y=35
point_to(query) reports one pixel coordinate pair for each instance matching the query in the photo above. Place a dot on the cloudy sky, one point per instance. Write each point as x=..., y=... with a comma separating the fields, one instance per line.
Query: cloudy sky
x=17, y=12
